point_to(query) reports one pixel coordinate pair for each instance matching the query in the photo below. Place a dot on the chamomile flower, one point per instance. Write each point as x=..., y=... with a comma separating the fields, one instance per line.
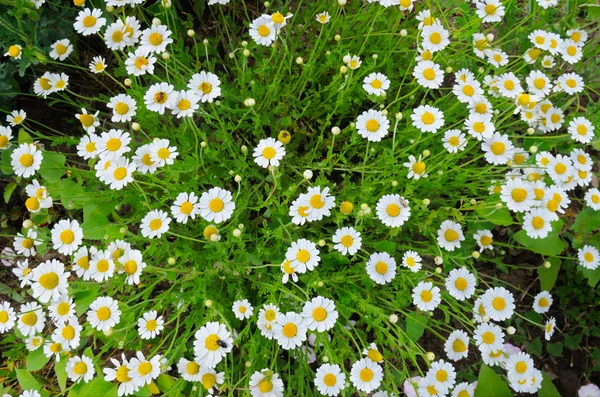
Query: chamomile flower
x=288, y=271
x=120, y=373
x=592, y=198
x=376, y=84
x=156, y=38
x=143, y=371
x=412, y=260
x=366, y=375
x=290, y=330
x=67, y=236
x=497, y=58
x=467, y=91
x=104, y=313
x=581, y=130
x=5, y=137
x=330, y=380
x=216, y=205
x=426, y=19
x=571, y=83
x=319, y=314
x=392, y=209
x=518, y=195
x=268, y=152
x=155, y=223
x=88, y=121
x=189, y=370
x=160, y=96
x=347, y=241
x=42, y=85
x=161, y=152
x=480, y=126
x=23, y=272
x=116, y=37
x=353, y=61
x=490, y=10
x=132, y=265
x=428, y=74
x=560, y=168
x=509, y=85
x=319, y=202
x=185, y=207
x=570, y=51
x=140, y=62
x=450, y=235
x=31, y=319
x=537, y=223
x=427, y=388
x=457, y=345
x=266, y=383
x=443, y=375
x=211, y=343
x=80, y=368
x=242, y=309
x=25, y=245
x=481, y=106
x=548, y=61
x=542, y=302
x=435, y=37
x=499, y=303
x=150, y=325
x=519, y=366
x=61, y=309
x=323, y=17
x=123, y=106
x=87, y=147
x=206, y=86
x=372, y=125
x=68, y=334
x=484, y=240
x=81, y=262
x=481, y=44
x=89, y=21
x=549, y=328
x=143, y=161
x=263, y=30
x=416, y=168
x=381, y=268
x=61, y=49
x=186, y=104
x=427, y=118
x=49, y=281
x=266, y=318
x=298, y=212
x=33, y=343
x=426, y=297
x=303, y=255
x=119, y=173
x=589, y=257
x=113, y=144
x=98, y=65
x=498, y=149
x=7, y=317
x=26, y=160
x=454, y=141
x=15, y=51
x=461, y=283
x=488, y=337
x=59, y=81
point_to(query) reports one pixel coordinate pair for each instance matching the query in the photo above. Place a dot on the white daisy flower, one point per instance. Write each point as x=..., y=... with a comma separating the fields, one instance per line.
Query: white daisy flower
x=592, y=198
x=467, y=91
x=216, y=205
x=290, y=330
x=571, y=83
x=268, y=152
x=242, y=309
x=23, y=273
x=26, y=160
x=263, y=31
x=484, y=239
x=143, y=161
x=319, y=314
x=156, y=38
x=7, y=317
x=549, y=328
x=347, y=241
x=319, y=203
x=67, y=236
x=266, y=318
x=61, y=49
x=354, y=62
x=160, y=96
x=25, y=245
x=537, y=223
x=266, y=383
x=288, y=271
x=123, y=106
x=120, y=373
x=89, y=21
x=185, y=104
x=490, y=10
x=435, y=37
x=49, y=281
x=143, y=371
x=323, y=17
x=427, y=118
x=416, y=168
x=488, y=337
x=133, y=264
x=104, y=313
x=498, y=149
x=450, y=235
x=376, y=84
x=426, y=297
x=303, y=255
x=480, y=126
x=509, y=85
x=150, y=325
x=33, y=343
x=581, y=130
x=189, y=370
x=119, y=173
x=497, y=58
x=499, y=303
x=381, y=267
x=366, y=375
x=14, y=51
x=185, y=207
x=589, y=257
x=542, y=302
x=461, y=284
x=428, y=74
x=570, y=51
x=162, y=153
x=116, y=37
x=519, y=366
x=393, y=210
x=113, y=144
x=31, y=319
x=140, y=62
x=330, y=380
x=211, y=343
x=88, y=121
x=454, y=141
x=61, y=309
x=412, y=260
x=87, y=147
x=538, y=84
x=457, y=345
x=443, y=375
x=518, y=195
x=68, y=334
x=98, y=65
x=206, y=85
x=60, y=81
x=5, y=137
x=155, y=223
x=464, y=389
x=80, y=368
x=42, y=86
x=372, y=125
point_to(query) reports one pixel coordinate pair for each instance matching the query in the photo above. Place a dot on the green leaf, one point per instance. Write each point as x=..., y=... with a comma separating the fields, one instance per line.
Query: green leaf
x=27, y=381
x=489, y=384
x=98, y=387
x=534, y=347
x=60, y=368
x=498, y=216
x=36, y=360
x=83, y=300
x=24, y=137
x=10, y=188
x=415, y=325
x=572, y=342
x=165, y=382
x=548, y=389
x=586, y=221
x=593, y=276
x=385, y=246
x=548, y=276
x=53, y=166
x=552, y=245
x=555, y=349
x=5, y=166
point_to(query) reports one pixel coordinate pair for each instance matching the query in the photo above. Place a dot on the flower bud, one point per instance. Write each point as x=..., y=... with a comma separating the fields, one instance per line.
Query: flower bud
x=191, y=33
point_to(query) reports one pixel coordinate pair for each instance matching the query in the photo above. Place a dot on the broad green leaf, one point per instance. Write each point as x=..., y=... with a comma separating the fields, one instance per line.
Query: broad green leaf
x=36, y=360
x=490, y=384
x=5, y=166
x=548, y=276
x=53, y=166
x=24, y=137
x=498, y=216
x=61, y=373
x=83, y=300
x=586, y=221
x=100, y=227
x=551, y=245
x=98, y=387
x=10, y=188
x=415, y=325
x=385, y=246
x=593, y=276
x=548, y=389
x=165, y=382
x=26, y=380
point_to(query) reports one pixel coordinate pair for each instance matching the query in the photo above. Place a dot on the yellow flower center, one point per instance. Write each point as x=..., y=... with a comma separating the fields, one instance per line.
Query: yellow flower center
x=499, y=303
x=488, y=337
x=263, y=30
x=537, y=222
x=155, y=39
x=277, y=18
x=102, y=265
x=130, y=267
x=29, y=319
x=453, y=141
x=60, y=49
x=68, y=332
x=393, y=210
x=498, y=148
x=459, y=346
x=519, y=194
x=468, y=90
x=80, y=368
x=117, y=36
x=429, y=74
x=89, y=21
x=140, y=62
x=490, y=9
x=290, y=330
x=319, y=314
x=216, y=205
x=32, y=204
x=3, y=316
x=435, y=38
x=151, y=325
x=441, y=375
x=427, y=118
x=347, y=241
x=164, y=153
x=49, y=280
x=572, y=50
x=588, y=256
x=160, y=97
x=265, y=386
x=287, y=267
x=208, y=380
x=418, y=167
x=375, y=355
x=376, y=84
x=211, y=342
x=461, y=284
x=521, y=367
x=123, y=374
x=539, y=83
x=270, y=315
x=381, y=267
x=316, y=201
x=543, y=302
x=26, y=160
x=426, y=295
x=329, y=380
x=372, y=125
x=486, y=240
x=303, y=256
x=451, y=235
x=509, y=85
x=145, y=368
x=63, y=308
x=269, y=153
x=155, y=224
x=103, y=313
x=366, y=375
x=120, y=173
x=14, y=51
